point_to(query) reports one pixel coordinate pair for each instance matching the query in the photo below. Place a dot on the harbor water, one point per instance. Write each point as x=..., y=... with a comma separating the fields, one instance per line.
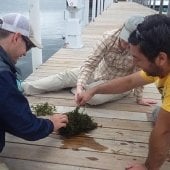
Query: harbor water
x=52, y=24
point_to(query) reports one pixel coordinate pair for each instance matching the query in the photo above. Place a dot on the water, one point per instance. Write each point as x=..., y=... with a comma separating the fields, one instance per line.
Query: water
x=52, y=24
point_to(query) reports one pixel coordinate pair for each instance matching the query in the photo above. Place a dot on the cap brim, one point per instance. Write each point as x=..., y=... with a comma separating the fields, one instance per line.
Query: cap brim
x=124, y=34
x=35, y=43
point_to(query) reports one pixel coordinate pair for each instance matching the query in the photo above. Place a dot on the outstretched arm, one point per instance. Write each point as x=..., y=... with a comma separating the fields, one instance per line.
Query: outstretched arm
x=97, y=57
x=118, y=85
x=159, y=144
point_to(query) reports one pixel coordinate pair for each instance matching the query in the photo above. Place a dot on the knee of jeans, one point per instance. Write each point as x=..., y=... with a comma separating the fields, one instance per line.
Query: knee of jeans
x=96, y=101
x=3, y=166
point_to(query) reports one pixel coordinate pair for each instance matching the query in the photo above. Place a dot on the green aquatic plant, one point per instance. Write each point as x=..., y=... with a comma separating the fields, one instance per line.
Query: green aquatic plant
x=78, y=122
x=43, y=109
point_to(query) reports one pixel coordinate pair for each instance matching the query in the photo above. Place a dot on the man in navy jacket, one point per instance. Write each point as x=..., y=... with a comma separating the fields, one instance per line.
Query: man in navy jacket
x=16, y=38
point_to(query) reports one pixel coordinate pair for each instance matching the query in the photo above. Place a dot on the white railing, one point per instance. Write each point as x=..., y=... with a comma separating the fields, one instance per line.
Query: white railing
x=160, y=5
x=34, y=13
x=77, y=15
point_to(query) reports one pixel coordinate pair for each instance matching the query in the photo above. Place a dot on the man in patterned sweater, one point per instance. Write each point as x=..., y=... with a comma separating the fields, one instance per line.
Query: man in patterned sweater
x=110, y=59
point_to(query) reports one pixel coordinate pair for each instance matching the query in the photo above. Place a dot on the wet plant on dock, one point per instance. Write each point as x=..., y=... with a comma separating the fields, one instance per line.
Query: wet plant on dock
x=78, y=122
x=43, y=109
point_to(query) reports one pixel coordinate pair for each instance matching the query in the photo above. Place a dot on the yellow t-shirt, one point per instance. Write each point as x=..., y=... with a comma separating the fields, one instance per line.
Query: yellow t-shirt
x=163, y=85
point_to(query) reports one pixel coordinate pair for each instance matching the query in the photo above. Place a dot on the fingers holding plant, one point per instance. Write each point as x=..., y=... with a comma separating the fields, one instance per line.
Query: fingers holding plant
x=59, y=121
x=85, y=97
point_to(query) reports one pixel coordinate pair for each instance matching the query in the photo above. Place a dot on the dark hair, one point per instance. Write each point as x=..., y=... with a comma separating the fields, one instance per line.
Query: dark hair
x=4, y=33
x=152, y=36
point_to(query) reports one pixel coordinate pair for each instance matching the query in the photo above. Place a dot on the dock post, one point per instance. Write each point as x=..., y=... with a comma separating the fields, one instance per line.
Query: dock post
x=105, y=4
x=149, y=4
x=93, y=10
x=86, y=12
x=161, y=6
x=73, y=24
x=168, y=12
x=34, y=14
x=102, y=3
x=98, y=8
x=154, y=3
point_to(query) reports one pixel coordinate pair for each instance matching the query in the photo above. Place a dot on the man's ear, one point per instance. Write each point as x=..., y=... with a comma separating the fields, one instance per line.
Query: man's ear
x=15, y=37
x=161, y=59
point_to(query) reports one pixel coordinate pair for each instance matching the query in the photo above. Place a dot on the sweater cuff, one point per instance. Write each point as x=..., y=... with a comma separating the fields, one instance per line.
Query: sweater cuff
x=51, y=125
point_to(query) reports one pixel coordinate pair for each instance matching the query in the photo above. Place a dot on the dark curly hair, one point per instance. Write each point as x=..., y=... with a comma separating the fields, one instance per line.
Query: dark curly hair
x=152, y=36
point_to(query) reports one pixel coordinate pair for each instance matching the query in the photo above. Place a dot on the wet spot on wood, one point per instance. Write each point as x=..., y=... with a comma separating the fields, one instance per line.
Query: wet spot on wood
x=75, y=149
x=142, y=146
x=123, y=143
x=92, y=158
x=119, y=159
x=120, y=133
x=77, y=142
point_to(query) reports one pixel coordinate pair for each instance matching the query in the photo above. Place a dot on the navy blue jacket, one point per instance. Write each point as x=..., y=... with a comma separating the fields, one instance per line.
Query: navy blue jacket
x=15, y=114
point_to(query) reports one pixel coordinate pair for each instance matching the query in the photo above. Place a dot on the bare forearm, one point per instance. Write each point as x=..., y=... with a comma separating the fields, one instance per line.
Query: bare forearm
x=114, y=86
x=159, y=145
x=118, y=85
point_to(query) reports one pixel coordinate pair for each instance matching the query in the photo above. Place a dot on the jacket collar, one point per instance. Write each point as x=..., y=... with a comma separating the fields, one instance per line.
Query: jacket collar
x=6, y=59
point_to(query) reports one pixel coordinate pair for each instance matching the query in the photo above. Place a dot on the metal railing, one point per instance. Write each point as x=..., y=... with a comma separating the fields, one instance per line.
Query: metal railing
x=77, y=15
x=160, y=5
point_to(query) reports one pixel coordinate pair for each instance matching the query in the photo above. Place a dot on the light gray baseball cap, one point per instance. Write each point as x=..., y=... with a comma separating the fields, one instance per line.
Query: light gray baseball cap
x=129, y=26
x=15, y=22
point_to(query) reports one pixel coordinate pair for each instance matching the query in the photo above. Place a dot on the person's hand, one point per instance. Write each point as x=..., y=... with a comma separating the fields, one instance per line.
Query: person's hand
x=136, y=167
x=146, y=102
x=78, y=94
x=85, y=97
x=59, y=121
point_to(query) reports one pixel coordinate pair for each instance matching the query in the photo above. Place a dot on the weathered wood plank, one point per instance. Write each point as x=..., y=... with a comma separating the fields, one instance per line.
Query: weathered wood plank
x=107, y=113
x=20, y=164
x=66, y=93
x=85, y=143
x=86, y=159
x=111, y=106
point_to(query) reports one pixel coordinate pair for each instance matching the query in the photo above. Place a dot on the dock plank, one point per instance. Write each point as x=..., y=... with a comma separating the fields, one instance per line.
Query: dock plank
x=87, y=159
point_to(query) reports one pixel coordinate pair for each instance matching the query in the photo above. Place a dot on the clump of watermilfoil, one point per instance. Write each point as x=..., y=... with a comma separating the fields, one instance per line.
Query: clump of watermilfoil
x=78, y=122
x=43, y=109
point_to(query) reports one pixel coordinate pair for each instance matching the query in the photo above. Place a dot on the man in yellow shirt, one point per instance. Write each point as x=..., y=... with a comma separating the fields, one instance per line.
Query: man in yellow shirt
x=150, y=48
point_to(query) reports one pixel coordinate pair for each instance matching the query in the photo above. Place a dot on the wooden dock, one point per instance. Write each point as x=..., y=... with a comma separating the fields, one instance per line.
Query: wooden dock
x=124, y=126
